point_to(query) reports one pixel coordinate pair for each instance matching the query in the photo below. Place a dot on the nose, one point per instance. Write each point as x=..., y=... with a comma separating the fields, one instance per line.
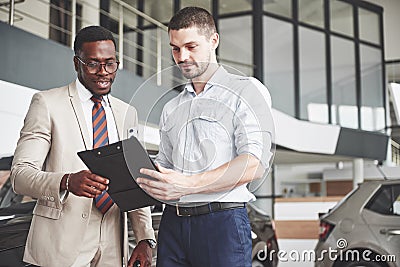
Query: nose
x=183, y=55
x=102, y=70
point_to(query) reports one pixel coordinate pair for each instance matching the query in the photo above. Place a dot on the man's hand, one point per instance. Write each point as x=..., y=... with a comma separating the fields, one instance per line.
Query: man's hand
x=170, y=185
x=85, y=184
x=143, y=253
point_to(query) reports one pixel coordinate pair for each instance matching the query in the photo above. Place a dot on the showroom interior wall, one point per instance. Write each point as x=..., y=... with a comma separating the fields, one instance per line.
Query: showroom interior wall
x=34, y=63
x=292, y=79
x=391, y=34
x=237, y=41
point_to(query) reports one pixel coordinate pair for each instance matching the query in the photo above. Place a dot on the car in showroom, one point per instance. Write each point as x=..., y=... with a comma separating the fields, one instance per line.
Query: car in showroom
x=16, y=216
x=363, y=229
x=265, y=245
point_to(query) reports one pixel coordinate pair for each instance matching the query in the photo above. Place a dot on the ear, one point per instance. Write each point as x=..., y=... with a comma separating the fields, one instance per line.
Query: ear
x=214, y=40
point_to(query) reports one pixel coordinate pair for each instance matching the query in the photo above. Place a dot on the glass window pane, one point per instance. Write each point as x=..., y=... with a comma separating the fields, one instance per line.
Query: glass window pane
x=278, y=63
x=393, y=72
x=150, y=60
x=313, y=105
x=369, y=26
x=372, y=109
x=342, y=17
x=130, y=51
x=343, y=83
x=60, y=17
x=386, y=201
x=382, y=201
x=206, y=4
x=159, y=10
x=281, y=7
x=232, y=6
x=312, y=12
x=396, y=204
x=236, y=44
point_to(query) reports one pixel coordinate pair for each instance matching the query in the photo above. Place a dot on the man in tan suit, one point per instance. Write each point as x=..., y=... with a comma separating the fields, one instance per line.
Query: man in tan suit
x=67, y=228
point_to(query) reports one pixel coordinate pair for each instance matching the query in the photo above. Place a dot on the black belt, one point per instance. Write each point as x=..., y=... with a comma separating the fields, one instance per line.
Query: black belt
x=205, y=209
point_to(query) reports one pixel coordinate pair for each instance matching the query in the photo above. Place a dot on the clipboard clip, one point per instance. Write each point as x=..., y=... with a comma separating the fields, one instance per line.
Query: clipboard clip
x=102, y=152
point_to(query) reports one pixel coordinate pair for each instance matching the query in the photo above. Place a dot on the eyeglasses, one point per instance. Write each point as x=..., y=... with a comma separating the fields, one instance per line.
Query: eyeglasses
x=95, y=67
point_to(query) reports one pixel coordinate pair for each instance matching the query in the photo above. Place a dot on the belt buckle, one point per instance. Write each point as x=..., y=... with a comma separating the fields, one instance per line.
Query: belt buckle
x=178, y=212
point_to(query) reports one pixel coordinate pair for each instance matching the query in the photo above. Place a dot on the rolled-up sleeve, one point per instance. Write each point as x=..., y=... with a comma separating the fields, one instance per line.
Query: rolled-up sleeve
x=254, y=128
x=165, y=147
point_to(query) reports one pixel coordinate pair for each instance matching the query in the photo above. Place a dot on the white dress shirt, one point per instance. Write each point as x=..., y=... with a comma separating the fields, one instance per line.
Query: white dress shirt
x=87, y=106
x=230, y=117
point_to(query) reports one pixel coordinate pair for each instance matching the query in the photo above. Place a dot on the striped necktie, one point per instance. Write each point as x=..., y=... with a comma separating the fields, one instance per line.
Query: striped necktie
x=100, y=138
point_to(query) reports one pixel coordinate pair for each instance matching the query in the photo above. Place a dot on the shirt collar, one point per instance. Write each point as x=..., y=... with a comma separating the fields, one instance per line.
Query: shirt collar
x=85, y=94
x=214, y=80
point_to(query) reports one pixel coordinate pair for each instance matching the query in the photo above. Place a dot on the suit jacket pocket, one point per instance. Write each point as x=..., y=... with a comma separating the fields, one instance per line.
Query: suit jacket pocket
x=47, y=211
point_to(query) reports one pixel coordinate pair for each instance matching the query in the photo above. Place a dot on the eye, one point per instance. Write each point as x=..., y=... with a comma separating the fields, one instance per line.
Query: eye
x=109, y=64
x=175, y=49
x=92, y=64
x=192, y=47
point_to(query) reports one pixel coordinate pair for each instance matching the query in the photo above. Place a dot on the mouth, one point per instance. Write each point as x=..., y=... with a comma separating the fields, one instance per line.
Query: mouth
x=187, y=67
x=103, y=83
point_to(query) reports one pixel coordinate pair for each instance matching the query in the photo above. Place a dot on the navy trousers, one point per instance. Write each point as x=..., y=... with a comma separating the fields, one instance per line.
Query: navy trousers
x=221, y=238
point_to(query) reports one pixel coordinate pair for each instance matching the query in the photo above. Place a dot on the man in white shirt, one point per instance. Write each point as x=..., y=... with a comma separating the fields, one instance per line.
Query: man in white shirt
x=216, y=137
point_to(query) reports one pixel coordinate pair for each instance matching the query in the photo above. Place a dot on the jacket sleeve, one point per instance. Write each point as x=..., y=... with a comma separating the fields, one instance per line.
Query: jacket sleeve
x=27, y=175
x=142, y=224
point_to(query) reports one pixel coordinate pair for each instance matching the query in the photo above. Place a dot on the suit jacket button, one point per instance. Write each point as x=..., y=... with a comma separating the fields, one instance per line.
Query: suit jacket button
x=51, y=198
x=84, y=215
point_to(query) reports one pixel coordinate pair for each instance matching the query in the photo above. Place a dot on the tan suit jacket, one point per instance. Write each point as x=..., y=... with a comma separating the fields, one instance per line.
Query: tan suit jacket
x=54, y=131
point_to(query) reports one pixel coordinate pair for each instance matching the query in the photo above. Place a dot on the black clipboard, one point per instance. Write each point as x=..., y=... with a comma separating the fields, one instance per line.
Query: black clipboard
x=120, y=162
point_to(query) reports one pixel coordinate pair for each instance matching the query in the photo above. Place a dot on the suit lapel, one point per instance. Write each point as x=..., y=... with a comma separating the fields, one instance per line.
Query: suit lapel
x=80, y=117
x=118, y=116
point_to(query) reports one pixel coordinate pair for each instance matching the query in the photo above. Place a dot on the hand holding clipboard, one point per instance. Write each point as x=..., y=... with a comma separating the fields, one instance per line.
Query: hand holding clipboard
x=121, y=163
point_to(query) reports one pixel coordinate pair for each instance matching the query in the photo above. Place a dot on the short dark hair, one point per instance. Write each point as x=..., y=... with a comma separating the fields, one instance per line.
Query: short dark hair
x=193, y=17
x=92, y=34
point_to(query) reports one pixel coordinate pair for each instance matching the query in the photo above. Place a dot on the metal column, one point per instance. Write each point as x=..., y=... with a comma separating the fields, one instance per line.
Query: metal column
x=358, y=172
x=11, y=13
